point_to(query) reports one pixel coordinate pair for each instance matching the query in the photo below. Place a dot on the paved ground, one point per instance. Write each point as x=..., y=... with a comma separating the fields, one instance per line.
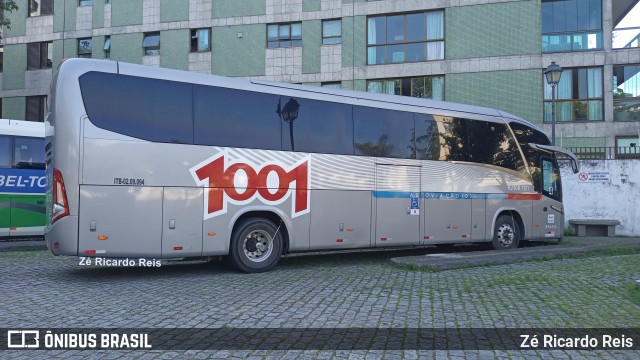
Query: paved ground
x=354, y=290
x=467, y=256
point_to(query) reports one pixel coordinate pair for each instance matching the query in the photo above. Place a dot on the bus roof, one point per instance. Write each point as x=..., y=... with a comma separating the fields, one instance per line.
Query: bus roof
x=21, y=128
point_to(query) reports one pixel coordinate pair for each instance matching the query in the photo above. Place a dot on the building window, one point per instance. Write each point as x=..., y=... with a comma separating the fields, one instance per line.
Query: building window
x=571, y=25
x=107, y=47
x=85, y=2
x=151, y=43
x=284, y=35
x=332, y=85
x=628, y=147
x=578, y=95
x=626, y=33
x=200, y=40
x=107, y=2
x=430, y=87
x=39, y=55
x=332, y=32
x=40, y=7
x=626, y=94
x=1, y=58
x=84, y=48
x=405, y=38
x=35, y=108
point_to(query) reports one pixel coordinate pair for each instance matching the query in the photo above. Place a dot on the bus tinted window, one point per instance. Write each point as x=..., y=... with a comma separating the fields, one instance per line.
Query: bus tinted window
x=383, y=133
x=321, y=127
x=427, y=137
x=28, y=153
x=526, y=135
x=228, y=117
x=148, y=109
x=453, y=139
x=492, y=143
x=5, y=151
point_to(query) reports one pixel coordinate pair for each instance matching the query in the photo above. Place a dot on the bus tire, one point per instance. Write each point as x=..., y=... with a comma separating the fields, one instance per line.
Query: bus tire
x=506, y=234
x=256, y=246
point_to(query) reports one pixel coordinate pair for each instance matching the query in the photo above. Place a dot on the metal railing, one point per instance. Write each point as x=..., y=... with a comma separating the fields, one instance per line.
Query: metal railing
x=606, y=152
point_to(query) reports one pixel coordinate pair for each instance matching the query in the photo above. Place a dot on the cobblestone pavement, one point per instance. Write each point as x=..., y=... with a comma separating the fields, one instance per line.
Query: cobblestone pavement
x=352, y=290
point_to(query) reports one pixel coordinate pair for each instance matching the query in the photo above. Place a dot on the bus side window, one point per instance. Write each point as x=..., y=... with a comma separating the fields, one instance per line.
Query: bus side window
x=144, y=108
x=321, y=127
x=28, y=153
x=236, y=118
x=427, y=137
x=383, y=133
x=453, y=138
x=492, y=143
x=5, y=151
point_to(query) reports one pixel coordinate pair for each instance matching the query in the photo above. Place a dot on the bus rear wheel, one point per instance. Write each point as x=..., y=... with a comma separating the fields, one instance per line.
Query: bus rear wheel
x=256, y=246
x=506, y=234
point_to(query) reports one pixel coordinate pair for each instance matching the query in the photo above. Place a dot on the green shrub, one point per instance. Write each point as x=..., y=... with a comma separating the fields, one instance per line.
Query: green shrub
x=568, y=231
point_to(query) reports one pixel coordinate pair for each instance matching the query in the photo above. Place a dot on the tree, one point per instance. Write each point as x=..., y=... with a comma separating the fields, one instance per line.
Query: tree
x=381, y=148
x=5, y=7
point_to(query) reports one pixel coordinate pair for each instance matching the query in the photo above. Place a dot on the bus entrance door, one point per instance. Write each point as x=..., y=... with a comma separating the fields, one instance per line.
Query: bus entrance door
x=397, y=205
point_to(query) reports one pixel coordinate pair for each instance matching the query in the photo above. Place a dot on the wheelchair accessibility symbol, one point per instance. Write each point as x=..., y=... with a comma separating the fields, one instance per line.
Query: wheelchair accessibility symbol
x=415, y=207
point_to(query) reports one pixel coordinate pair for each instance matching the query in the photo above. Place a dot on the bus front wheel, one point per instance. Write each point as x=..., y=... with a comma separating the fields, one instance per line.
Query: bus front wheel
x=506, y=234
x=256, y=245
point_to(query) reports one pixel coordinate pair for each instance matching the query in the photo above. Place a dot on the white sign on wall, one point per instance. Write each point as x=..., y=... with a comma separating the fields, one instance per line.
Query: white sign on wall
x=599, y=176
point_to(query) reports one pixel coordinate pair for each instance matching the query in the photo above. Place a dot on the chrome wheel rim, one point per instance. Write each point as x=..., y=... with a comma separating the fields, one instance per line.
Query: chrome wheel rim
x=257, y=245
x=506, y=235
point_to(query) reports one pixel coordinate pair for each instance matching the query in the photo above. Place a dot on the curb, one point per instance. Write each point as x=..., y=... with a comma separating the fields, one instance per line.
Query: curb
x=22, y=245
x=446, y=261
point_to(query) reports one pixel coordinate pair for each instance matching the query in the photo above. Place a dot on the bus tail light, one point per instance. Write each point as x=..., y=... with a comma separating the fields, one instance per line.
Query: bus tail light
x=60, y=203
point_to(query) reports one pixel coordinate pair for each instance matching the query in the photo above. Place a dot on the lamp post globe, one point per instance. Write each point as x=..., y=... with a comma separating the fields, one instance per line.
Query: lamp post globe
x=553, y=73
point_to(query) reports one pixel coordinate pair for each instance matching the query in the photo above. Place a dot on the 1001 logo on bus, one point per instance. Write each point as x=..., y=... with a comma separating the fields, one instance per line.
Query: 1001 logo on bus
x=240, y=183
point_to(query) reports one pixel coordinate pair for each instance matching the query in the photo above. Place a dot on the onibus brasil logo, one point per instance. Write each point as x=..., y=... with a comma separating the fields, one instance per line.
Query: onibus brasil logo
x=240, y=183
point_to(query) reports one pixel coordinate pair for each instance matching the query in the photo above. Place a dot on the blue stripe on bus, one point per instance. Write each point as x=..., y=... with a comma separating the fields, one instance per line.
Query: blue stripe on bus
x=436, y=195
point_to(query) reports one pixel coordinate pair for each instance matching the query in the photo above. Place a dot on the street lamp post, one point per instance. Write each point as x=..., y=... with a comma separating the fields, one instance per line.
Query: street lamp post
x=553, y=74
x=289, y=115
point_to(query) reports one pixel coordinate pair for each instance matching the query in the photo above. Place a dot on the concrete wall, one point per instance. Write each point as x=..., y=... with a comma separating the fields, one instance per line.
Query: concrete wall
x=229, y=8
x=15, y=65
x=174, y=10
x=511, y=28
x=126, y=13
x=617, y=198
x=178, y=57
x=518, y=92
x=250, y=47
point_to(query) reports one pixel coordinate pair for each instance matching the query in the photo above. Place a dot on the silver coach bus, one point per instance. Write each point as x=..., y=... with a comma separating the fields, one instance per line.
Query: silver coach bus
x=150, y=162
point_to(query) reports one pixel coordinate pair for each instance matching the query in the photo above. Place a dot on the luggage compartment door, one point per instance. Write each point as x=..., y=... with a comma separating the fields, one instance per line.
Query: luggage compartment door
x=130, y=217
x=182, y=210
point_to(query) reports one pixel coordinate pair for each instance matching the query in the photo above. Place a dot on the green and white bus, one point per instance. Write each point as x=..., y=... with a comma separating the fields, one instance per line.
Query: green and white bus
x=22, y=179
